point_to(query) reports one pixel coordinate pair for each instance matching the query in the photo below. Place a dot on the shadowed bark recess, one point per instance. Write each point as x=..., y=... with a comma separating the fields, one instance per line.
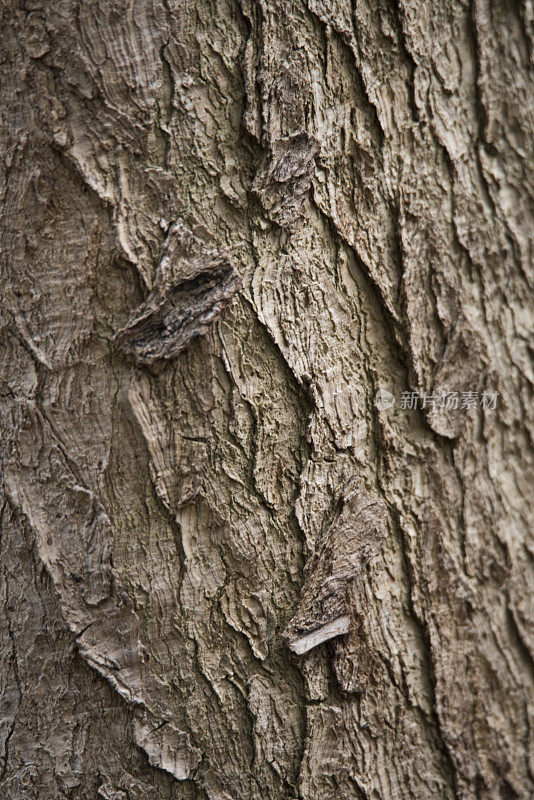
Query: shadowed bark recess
x=266, y=392
x=185, y=300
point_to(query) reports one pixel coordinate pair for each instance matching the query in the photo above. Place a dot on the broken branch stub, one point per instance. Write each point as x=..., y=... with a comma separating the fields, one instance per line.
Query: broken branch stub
x=192, y=286
x=355, y=536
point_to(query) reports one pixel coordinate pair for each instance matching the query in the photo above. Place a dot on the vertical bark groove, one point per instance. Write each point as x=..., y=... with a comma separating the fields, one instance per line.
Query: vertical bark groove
x=307, y=204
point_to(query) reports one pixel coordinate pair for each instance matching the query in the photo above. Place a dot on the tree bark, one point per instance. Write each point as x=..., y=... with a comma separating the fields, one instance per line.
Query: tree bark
x=229, y=571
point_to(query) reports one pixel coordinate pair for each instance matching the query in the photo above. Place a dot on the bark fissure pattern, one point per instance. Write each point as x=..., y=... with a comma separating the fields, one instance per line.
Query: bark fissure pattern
x=223, y=230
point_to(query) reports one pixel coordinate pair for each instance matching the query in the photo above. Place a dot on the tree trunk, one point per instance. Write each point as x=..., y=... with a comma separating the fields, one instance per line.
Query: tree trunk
x=266, y=392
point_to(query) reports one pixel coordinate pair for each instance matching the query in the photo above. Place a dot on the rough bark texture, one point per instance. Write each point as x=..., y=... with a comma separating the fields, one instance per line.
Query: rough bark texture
x=347, y=185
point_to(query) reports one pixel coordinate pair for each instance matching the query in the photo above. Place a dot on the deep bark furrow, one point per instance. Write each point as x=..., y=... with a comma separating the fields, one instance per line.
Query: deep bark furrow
x=230, y=236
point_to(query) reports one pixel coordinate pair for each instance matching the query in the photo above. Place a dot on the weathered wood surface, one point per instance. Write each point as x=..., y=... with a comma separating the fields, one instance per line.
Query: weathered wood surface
x=364, y=172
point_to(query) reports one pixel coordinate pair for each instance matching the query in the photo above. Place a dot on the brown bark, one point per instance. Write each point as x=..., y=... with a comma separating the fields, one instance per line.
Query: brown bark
x=225, y=227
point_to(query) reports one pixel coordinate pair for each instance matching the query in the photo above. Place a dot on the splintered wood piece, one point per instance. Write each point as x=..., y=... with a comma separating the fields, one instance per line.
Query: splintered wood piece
x=336, y=628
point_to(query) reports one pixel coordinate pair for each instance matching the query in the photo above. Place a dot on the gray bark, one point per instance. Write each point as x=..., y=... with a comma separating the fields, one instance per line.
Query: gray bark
x=226, y=574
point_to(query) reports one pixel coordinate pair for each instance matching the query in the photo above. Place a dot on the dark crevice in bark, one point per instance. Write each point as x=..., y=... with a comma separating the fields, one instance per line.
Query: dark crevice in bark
x=390, y=321
x=20, y=692
x=525, y=657
x=329, y=29
x=409, y=58
x=426, y=652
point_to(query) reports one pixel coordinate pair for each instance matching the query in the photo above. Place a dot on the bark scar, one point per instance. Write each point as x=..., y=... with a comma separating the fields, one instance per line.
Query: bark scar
x=284, y=177
x=193, y=284
x=355, y=536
